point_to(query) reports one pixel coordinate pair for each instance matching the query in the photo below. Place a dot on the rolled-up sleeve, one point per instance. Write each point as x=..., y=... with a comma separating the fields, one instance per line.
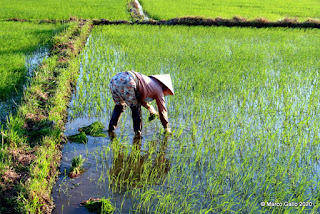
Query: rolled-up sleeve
x=163, y=113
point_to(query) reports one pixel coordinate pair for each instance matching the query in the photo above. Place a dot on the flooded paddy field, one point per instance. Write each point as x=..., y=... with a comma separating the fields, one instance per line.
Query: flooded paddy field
x=33, y=60
x=245, y=121
x=23, y=47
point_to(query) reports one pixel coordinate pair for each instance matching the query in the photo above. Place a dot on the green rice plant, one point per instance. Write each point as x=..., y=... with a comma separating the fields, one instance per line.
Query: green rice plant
x=245, y=117
x=63, y=10
x=18, y=41
x=93, y=129
x=80, y=138
x=76, y=166
x=271, y=9
x=101, y=206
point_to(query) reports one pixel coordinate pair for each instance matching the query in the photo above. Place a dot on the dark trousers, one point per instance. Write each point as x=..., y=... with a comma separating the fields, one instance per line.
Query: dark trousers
x=136, y=117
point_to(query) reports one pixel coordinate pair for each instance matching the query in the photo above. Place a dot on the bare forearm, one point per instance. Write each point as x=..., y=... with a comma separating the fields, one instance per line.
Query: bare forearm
x=150, y=108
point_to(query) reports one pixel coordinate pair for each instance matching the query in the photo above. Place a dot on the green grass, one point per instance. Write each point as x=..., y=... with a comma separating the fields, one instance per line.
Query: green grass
x=269, y=9
x=62, y=10
x=245, y=116
x=18, y=41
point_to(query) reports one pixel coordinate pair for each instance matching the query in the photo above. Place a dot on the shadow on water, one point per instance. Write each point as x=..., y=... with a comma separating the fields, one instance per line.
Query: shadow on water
x=33, y=60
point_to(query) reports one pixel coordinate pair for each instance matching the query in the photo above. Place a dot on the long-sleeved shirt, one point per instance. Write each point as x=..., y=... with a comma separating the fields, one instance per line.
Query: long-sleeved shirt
x=149, y=87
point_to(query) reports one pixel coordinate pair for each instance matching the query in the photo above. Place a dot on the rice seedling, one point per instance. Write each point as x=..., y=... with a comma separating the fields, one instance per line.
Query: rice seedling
x=76, y=167
x=245, y=118
x=271, y=9
x=94, y=129
x=102, y=205
x=80, y=138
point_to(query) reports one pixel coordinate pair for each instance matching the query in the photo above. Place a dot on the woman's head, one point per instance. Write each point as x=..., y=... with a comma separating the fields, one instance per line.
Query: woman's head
x=166, y=83
x=166, y=91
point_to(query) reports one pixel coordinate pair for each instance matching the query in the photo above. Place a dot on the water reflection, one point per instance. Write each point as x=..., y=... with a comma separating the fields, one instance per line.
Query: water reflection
x=33, y=60
x=139, y=167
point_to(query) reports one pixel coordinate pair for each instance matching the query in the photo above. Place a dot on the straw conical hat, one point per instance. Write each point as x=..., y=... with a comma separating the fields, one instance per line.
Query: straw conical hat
x=165, y=79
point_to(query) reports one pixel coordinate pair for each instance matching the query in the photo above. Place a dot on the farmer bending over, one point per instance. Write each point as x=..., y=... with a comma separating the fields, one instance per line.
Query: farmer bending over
x=135, y=89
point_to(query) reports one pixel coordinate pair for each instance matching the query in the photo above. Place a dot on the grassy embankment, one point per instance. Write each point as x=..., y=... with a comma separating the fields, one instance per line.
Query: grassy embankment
x=245, y=115
x=272, y=10
x=30, y=151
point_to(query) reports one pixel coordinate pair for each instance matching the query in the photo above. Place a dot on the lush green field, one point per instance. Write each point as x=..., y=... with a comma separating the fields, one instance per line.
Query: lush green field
x=61, y=9
x=245, y=117
x=250, y=9
x=245, y=114
x=18, y=40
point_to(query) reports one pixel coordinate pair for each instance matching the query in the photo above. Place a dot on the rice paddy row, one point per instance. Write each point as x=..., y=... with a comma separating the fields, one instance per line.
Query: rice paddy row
x=245, y=118
x=272, y=10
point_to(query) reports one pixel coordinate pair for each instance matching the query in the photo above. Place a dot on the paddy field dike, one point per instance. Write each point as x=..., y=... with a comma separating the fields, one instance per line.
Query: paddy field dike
x=245, y=114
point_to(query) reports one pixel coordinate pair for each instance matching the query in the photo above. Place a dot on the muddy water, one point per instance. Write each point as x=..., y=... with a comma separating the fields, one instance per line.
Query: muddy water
x=33, y=60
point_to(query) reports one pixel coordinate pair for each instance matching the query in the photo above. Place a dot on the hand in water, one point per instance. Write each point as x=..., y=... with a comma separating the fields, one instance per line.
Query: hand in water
x=152, y=116
x=167, y=130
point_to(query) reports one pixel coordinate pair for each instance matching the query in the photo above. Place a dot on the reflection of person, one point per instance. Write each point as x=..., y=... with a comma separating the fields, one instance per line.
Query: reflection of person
x=134, y=168
x=135, y=89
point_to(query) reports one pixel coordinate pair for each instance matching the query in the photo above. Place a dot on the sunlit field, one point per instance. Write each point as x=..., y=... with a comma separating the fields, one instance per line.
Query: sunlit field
x=23, y=47
x=245, y=121
x=18, y=40
x=64, y=9
x=269, y=9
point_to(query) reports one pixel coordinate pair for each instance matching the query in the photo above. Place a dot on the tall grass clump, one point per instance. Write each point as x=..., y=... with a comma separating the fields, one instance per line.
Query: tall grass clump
x=245, y=117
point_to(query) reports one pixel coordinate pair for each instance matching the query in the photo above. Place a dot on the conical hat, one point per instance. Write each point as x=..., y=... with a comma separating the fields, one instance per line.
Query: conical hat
x=165, y=79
